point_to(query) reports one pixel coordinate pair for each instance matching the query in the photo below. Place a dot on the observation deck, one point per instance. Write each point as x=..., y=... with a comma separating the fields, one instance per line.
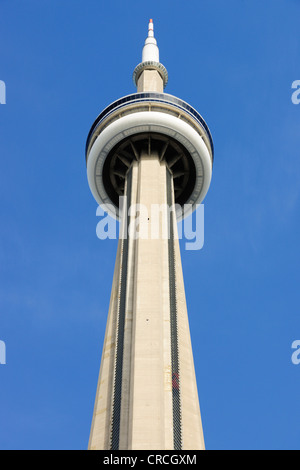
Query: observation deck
x=151, y=121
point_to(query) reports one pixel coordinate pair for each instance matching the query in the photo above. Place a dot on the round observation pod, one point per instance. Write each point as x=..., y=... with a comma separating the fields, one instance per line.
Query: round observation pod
x=151, y=121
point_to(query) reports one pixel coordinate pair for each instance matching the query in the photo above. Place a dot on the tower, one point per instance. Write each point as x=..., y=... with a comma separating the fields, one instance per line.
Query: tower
x=153, y=150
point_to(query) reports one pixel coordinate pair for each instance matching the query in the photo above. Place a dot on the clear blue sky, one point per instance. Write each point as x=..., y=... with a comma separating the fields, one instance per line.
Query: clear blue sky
x=234, y=61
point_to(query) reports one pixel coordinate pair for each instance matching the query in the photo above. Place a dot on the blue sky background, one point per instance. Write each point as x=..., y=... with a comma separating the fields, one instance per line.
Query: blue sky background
x=234, y=61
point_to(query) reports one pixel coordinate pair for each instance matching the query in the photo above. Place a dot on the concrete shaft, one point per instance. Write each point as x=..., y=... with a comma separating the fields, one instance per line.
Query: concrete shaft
x=147, y=394
x=150, y=80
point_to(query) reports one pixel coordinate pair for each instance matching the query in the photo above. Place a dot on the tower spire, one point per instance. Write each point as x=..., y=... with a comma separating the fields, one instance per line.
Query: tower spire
x=150, y=74
x=150, y=28
x=150, y=49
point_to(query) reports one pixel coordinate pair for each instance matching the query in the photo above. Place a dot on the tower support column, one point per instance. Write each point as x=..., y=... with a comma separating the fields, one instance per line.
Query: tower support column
x=151, y=383
x=147, y=394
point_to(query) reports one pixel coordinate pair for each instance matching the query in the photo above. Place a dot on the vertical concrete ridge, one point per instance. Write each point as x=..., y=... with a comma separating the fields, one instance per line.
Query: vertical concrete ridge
x=128, y=326
x=118, y=367
x=100, y=427
x=192, y=431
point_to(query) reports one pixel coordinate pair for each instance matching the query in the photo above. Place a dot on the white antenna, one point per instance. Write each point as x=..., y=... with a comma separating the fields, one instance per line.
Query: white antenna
x=150, y=49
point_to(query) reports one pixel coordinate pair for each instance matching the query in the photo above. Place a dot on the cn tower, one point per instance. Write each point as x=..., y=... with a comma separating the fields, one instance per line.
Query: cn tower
x=150, y=148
